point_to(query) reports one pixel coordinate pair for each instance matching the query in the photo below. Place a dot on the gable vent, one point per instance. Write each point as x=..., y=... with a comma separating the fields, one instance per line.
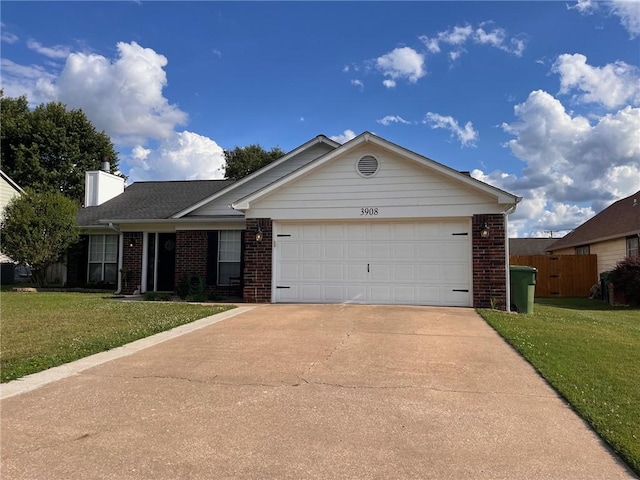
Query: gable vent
x=368, y=166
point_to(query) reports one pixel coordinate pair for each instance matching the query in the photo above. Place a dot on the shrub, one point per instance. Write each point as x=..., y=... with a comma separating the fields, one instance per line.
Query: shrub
x=182, y=287
x=626, y=278
x=150, y=296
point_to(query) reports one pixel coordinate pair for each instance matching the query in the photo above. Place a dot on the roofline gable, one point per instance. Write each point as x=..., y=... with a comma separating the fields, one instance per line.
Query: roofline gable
x=502, y=196
x=257, y=173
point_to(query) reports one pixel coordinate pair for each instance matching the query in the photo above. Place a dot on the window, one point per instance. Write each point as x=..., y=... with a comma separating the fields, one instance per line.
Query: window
x=633, y=246
x=103, y=258
x=582, y=250
x=229, y=256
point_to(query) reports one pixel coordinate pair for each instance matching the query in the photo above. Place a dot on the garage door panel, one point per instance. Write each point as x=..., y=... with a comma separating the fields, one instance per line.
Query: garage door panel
x=312, y=251
x=380, y=251
x=411, y=262
x=289, y=272
x=334, y=251
x=312, y=272
x=356, y=293
x=334, y=272
x=380, y=273
x=357, y=251
x=404, y=273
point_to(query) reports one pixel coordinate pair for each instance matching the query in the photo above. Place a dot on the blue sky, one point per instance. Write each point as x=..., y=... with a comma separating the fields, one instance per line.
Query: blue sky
x=541, y=99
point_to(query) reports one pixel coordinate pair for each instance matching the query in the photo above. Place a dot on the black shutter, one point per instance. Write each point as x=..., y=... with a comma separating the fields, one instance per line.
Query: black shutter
x=212, y=257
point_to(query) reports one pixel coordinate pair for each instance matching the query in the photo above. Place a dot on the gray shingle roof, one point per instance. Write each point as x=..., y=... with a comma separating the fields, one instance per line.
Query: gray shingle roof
x=151, y=200
x=617, y=220
x=529, y=246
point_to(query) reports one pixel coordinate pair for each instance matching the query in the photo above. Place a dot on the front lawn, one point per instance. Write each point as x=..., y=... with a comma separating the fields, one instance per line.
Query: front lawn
x=590, y=353
x=43, y=330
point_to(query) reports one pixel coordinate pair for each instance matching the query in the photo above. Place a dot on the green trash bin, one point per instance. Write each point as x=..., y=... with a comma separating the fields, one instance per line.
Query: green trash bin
x=523, y=288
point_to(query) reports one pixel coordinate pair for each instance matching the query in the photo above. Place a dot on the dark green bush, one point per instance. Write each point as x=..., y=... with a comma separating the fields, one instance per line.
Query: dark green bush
x=626, y=278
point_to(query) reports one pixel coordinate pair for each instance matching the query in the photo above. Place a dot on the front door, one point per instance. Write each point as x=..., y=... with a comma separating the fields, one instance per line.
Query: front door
x=166, y=262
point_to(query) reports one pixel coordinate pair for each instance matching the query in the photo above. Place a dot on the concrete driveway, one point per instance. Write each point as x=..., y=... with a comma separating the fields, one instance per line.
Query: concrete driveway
x=305, y=392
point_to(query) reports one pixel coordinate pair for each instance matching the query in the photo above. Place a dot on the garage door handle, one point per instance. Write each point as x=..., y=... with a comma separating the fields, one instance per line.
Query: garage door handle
x=459, y=290
x=367, y=268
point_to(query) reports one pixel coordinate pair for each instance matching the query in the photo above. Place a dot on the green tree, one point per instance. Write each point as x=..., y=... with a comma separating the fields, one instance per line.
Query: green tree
x=38, y=228
x=50, y=148
x=241, y=161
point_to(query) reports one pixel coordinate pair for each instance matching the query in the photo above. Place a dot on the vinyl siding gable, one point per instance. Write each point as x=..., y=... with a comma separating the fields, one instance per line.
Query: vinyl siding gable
x=401, y=188
x=220, y=205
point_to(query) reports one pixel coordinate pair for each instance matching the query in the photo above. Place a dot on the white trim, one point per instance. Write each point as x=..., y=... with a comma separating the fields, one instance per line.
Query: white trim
x=11, y=183
x=155, y=261
x=242, y=181
x=501, y=196
x=145, y=262
x=120, y=260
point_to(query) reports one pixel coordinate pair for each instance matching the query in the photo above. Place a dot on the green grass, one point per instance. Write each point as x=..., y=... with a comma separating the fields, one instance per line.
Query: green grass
x=43, y=330
x=590, y=353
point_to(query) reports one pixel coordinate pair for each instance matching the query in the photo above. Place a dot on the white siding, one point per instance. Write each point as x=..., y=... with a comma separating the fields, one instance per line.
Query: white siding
x=220, y=206
x=7, y=192
x=400, y=189
x=609, y=252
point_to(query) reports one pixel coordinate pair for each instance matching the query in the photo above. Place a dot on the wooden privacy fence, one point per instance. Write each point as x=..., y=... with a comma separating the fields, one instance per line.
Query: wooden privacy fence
x=561, y=275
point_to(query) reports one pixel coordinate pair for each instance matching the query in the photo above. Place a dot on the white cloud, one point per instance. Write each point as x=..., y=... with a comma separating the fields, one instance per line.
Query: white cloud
x=629, y=13
x=357, y=83
x=56, y=52
x=389, y=83
x=121, y=96
x=7, y=37
x=573, y=167
x=613, y=85
x=344, y=137
x=483, y=34
x=466, y=135
x=389, y=119
x=402, y=63
x=181, y=156
x=31, y=80
x=627, y=10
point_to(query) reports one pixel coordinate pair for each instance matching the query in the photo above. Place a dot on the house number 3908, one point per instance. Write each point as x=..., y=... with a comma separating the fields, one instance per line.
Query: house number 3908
x=368, y=211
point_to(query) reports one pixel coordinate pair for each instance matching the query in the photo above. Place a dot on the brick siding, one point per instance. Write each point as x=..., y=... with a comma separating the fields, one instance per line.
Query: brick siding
x=132, y=262
x=257, y=261
x=191, y=254
x=489, y=262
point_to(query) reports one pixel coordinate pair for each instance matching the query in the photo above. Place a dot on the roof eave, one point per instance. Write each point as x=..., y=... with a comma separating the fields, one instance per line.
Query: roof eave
x=266, y=168
x=502, y=197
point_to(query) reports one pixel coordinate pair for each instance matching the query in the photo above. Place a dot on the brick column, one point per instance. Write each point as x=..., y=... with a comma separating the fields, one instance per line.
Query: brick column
x=257, y=261
x=489, y=262
x=132, y=261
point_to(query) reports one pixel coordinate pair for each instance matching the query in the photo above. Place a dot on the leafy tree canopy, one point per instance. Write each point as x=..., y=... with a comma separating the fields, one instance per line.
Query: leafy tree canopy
x=241, y=161
x=50, y=148
x=37, y=229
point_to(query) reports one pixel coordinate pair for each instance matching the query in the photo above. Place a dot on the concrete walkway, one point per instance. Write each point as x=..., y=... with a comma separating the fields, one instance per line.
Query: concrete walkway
x=305, y=392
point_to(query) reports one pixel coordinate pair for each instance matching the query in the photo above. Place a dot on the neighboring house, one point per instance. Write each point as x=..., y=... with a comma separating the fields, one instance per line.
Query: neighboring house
x=8, y=190
x=612, y=234
x=529, y=246
x=364, y=222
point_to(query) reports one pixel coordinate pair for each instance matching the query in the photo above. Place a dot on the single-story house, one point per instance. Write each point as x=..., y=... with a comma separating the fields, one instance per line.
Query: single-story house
x=365, y=222
x=612, y=234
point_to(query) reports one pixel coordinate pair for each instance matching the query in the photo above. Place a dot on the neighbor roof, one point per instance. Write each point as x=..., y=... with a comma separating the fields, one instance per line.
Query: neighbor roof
x=529, y=246
x=620, y=219
x=151, y=200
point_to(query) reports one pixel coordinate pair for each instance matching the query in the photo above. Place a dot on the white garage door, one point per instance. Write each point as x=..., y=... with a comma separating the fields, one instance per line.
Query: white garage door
x=409, y=263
